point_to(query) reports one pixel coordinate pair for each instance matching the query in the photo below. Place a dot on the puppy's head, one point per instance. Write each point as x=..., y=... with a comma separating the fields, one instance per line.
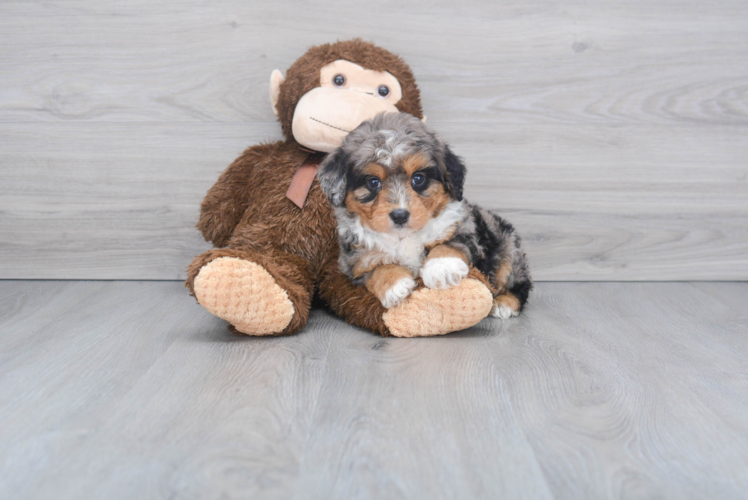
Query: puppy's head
x=394, y=173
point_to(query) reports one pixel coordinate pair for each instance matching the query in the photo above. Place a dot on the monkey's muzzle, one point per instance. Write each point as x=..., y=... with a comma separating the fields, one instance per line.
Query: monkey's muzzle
x=324, y=116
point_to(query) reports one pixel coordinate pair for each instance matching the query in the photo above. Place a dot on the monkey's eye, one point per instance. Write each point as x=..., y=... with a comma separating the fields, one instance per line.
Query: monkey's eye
x=374, y=183
x=338, y=80
x=418, y=181
x=383, y=90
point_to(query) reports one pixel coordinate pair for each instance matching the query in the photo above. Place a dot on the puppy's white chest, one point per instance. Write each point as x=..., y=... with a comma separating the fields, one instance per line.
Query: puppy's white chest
x=376, y=248
x=408, y=252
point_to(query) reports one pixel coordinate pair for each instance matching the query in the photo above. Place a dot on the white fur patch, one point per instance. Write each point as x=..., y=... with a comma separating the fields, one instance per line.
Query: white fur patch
x=398, y=292
x=503, y=312
x=443, y=272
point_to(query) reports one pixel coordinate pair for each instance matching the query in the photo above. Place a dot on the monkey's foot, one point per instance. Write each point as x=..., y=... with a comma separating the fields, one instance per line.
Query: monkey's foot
x=244, y=294
x=430, y=311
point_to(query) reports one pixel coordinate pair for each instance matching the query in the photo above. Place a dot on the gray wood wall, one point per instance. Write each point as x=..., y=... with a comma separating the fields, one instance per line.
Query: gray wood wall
x=614, y=134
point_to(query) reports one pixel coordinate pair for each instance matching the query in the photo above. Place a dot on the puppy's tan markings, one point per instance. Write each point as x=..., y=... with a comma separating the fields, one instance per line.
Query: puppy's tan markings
x=427, y=204
x=503, y=273
x=435, y=197
x=507, y=300
x=419, y=214
x=383, y=278
x=374, y=214
x=370, y=261
x=441, y=251
x=353, y=205
x=376, y=170
x=361, y=193
x=424, y=207
x=378, y=219
x=415, y=162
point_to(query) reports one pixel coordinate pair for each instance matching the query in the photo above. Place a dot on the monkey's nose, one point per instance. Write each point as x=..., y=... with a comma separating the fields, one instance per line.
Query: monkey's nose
x=399, y=216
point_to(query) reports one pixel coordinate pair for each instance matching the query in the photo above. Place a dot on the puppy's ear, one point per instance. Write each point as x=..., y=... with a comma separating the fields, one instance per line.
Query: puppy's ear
x=332, y=176
x=456, y=171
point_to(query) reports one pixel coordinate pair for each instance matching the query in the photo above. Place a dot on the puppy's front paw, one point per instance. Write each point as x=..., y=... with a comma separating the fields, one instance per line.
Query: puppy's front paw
x=443, y=272
x=398, y=292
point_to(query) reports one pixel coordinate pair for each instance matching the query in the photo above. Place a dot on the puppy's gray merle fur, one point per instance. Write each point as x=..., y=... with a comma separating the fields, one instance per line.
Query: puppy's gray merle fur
x=397, y=192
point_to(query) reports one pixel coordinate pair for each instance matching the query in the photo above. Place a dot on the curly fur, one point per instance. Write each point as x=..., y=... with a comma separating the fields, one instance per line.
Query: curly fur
x=485, y=240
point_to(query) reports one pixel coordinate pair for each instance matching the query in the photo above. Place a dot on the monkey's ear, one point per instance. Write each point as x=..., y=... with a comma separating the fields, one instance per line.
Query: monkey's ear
x=276, y=78
x=456, y=171
x=332, y=177
x=423, y=119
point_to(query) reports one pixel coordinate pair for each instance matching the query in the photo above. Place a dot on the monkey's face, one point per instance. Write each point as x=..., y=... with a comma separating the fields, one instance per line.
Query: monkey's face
x=348, y=94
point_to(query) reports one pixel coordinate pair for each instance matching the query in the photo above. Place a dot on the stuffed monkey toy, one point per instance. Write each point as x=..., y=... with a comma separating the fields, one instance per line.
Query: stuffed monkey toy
x=274, y=229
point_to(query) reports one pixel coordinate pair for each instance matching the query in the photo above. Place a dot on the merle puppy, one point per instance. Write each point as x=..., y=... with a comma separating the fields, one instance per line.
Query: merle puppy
x=397, y=192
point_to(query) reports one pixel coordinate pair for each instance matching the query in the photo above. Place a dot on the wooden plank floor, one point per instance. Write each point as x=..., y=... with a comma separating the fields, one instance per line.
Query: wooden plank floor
x=601, y=390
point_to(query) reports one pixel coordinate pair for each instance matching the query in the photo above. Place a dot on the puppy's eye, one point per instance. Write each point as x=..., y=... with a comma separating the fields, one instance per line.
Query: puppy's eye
x=374, y=183
x=418, y=181
x=383, y=90
x=338, y=80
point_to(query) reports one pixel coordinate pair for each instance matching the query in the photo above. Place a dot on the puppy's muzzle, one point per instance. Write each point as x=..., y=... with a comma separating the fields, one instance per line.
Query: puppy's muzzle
x=399, y=216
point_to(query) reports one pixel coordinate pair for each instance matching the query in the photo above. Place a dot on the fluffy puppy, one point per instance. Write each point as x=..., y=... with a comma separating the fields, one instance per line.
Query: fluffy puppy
x=397, y=192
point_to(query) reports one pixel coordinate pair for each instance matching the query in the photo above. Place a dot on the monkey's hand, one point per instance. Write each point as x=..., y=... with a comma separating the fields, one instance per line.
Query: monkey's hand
x=391, y=284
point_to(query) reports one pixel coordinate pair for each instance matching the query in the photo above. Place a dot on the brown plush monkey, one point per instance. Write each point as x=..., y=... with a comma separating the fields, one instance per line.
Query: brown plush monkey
x=276, y=228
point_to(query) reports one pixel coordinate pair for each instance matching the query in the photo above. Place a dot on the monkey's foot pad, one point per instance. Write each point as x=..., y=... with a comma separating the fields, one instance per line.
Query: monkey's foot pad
x=244, y=294
x=430, y=311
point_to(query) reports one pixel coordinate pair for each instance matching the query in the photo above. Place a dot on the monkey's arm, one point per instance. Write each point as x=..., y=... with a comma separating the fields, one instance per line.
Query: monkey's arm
x=225, y=204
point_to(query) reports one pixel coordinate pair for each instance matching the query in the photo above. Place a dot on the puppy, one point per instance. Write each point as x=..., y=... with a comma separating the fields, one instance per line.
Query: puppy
x=397, y=193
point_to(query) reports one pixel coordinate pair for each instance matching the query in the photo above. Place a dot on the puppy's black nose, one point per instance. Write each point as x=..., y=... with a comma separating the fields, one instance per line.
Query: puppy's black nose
x=399, y=216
